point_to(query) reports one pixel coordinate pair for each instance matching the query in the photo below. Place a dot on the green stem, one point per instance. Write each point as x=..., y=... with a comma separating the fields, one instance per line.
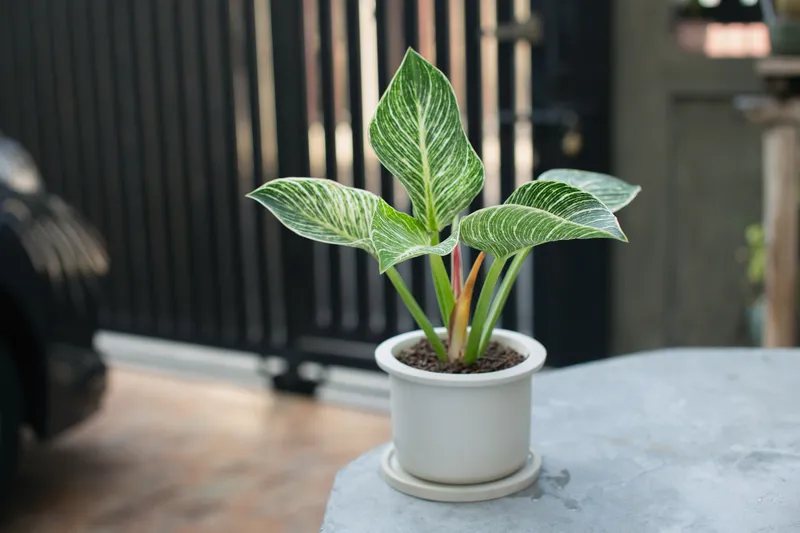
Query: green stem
x=441, y=284
x=501, y=297
x=417, y=312
x=479, y=318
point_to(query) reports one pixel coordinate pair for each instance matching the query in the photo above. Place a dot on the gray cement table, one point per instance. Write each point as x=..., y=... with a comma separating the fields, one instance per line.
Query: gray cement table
x=670, y=441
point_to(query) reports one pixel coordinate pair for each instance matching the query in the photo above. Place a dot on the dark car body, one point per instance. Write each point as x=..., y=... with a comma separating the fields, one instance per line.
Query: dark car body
x=52, y=267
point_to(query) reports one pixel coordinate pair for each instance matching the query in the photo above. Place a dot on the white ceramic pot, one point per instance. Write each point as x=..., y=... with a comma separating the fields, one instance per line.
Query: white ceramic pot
x=461, y=428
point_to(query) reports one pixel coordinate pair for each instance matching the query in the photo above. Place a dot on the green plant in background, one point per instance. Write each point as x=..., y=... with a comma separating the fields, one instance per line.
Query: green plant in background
x=416, y=133
x=756, y=251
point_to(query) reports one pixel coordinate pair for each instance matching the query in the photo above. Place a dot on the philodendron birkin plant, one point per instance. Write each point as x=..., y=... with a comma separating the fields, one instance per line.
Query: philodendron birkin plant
x=416, y=133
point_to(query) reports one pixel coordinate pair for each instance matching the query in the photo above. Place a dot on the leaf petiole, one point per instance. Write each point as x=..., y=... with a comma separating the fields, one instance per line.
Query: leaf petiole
x=502, y=295
x=441, y=283
x=481, y=309
x=417, y=312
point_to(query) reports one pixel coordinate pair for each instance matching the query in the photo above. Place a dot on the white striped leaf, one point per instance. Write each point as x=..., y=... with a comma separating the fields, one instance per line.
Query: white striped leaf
x=398, y=237
x=416, y=133
x=612, y=191
x=536, y=213
x=321, y=210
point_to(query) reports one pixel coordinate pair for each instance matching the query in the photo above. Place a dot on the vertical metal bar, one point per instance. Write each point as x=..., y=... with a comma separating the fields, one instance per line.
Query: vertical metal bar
x=505, y=93
x=25, y=73
x=541, y=70
x=387, y=180
x=233, y=324
x=292, y=129
x=218, y=144
x=67, y=125
x=193, y=118
x=258, y=168
x=348, y=306
x=442, y=18
x=474, y=80
x=554, y=53
x=91, y=143
x=88, y=171
x=323, y=284
x=357, y=128
x=369, y=60
x=241, y=19
x=411, y=22
x=212, y=242
x=152, y=177
x=524, y=131
x=262, y=90
x=46, y=83
x=130, y=154
x=6, y=58
x=170, y=135
x=9, y=99
x=329, y=125
x=538, y=85
x=108, y=151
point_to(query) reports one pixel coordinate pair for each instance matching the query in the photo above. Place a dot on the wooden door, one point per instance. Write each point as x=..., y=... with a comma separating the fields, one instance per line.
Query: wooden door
x=678, y=135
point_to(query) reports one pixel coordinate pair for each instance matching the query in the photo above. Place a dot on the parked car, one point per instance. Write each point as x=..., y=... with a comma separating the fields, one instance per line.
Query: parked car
x=52, y=266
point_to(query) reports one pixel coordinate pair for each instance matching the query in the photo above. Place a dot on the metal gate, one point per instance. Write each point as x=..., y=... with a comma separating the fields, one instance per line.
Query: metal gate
x=155, y=117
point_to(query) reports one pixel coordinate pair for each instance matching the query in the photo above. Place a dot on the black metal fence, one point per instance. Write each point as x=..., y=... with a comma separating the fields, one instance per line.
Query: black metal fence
x=155, y=117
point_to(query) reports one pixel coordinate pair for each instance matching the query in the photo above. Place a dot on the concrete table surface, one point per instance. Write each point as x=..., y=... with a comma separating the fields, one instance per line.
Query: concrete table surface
x=670, y=441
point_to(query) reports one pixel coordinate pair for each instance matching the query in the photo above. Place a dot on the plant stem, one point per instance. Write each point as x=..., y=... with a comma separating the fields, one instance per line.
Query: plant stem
x=417, y=312
x=501, y=297
x=441, y=284
x=479, y=318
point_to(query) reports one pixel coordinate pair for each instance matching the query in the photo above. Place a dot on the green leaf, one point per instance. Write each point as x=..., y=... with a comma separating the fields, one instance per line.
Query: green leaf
x=417, y=135
x=321, y=210
x=536, y=213
x=757, y=251
x=398, y=237
x=612, y=191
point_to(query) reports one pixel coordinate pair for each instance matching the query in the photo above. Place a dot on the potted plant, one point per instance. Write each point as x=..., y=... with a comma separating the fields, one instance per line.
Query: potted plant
x=783, y=20
x=460, y=394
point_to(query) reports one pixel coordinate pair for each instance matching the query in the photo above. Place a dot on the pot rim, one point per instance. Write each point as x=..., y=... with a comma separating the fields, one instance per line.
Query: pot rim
x=535, y=355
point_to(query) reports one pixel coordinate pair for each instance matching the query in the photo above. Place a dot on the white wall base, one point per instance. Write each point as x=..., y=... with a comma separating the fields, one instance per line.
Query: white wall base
x=348, y=387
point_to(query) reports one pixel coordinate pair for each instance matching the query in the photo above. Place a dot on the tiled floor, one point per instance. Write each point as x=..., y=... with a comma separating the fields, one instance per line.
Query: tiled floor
x=167, y=455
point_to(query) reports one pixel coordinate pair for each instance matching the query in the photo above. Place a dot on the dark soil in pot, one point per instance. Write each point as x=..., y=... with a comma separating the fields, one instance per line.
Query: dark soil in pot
x=423, y=357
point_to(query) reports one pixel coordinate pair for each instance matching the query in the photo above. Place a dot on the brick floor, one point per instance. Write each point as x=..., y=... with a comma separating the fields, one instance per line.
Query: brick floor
x=167, y=455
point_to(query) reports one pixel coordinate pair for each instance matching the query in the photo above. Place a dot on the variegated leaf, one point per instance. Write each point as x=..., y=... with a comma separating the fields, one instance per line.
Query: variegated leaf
x=612, y=191
x=398, y=237
x=416, y=133
x=321, y=210
x=536, y=213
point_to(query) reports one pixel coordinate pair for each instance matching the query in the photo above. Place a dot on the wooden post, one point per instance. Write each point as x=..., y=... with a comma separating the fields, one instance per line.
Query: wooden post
x=780, y=230
x=779, y=115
